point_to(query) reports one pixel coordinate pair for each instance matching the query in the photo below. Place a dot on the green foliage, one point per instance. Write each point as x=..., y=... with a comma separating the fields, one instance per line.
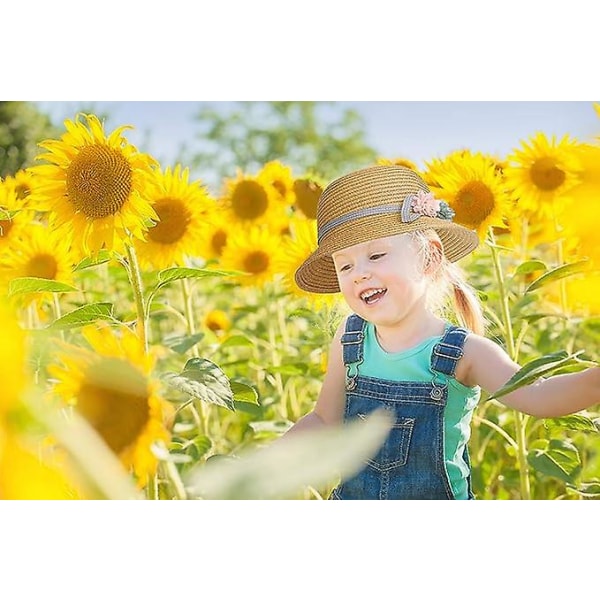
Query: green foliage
x=22, y=126
x=307, y=136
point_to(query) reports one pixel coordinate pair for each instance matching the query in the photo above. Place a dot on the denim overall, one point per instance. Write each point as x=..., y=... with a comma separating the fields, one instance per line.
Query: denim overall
x=410, y=464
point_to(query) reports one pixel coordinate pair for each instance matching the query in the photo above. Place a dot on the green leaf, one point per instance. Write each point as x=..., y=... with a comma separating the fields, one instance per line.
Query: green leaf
x=533, y=370
x=175, y=273
x=534, y=317
x=243, y=392
x=7, y=215
x=29, y=285
x=573, y=423
x=555, y=458
x=589, y=489
x=284, y=468
x=530, y=266
x=84, y=315
x=236, y=341
x=91, y=261
x=559, y=273
x=203, y=380
x=289, y=369
x=181, y=344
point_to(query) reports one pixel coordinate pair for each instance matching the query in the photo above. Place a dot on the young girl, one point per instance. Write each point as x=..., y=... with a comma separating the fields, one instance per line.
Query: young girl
x=389, y=246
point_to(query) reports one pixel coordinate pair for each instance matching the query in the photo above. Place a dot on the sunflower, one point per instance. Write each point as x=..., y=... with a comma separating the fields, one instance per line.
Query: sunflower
x=12, y=360
x=248, y=201
x=97, y=186
x=295, y=250
x=215, y=237
x=253, y=251
x=12, y=218
x=110, y=386
x=542, y=174
x=399, y=161
x=580, y=223
x=25, y=475
x=474, y=190
x=307, y=193
x=38, y=252
x=217, y=321
x=279, y=177
x=436, y=166
x=23, y=183
x=182, y=208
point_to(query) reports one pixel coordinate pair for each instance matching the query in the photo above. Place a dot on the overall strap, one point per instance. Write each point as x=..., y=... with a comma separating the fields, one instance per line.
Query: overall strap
x=447, y=352
x=352, y=339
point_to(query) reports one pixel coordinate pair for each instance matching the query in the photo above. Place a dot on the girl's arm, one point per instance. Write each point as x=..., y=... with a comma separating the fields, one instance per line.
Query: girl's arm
x=488, y=366
x=329, y=408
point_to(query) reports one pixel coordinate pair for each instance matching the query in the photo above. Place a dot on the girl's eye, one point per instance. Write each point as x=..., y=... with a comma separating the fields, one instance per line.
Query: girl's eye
x=344, y=268
x=377, y=256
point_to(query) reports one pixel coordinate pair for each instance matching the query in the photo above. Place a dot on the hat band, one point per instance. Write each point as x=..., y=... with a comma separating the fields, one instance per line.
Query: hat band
x=384, y=209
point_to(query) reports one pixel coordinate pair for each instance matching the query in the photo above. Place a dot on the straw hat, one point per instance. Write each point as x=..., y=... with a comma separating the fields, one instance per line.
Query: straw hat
x=371, y=203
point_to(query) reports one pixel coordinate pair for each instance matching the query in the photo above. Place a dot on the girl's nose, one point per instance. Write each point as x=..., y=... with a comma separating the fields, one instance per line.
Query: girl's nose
x=361, y=275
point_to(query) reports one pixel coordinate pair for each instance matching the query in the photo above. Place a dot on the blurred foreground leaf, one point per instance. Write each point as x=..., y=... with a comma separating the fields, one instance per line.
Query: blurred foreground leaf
x=283, y=469
x=97, y=465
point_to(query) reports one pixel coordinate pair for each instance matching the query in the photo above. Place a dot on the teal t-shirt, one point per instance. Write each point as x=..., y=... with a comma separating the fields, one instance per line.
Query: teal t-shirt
x=414, y=365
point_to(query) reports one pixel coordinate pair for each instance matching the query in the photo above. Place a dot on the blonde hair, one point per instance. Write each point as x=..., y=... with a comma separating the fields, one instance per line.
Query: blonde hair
x=449, y=289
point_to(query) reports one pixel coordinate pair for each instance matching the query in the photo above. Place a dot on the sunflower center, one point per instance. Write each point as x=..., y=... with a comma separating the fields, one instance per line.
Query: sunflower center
x=22, y=190
x=114, y=400
x=474, y=203
x=307, y=197
x=174, y=220
x=546, y=175
x=42, y=265
x=218, y=241
x=217, y=321
x=99, y=181
x=249, y=200
x=256, y=262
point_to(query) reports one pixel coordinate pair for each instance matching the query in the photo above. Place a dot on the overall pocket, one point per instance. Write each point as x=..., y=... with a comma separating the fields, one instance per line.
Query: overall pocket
x=394, y=451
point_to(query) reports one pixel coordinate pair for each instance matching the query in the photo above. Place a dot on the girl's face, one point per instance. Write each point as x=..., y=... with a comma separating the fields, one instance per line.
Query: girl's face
x=382, y=280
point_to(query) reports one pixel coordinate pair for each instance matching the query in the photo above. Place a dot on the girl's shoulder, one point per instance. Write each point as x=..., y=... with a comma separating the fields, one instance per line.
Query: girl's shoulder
x=482, y=358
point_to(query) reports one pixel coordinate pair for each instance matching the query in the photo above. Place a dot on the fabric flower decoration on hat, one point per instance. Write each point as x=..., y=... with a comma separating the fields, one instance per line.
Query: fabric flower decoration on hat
x=424, y=204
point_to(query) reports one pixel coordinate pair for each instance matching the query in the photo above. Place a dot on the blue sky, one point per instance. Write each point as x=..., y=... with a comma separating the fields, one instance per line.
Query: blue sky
x=415, y=130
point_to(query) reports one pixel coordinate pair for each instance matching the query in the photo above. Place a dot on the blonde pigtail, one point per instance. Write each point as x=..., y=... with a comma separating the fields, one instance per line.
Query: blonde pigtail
x=467, y=306
x=449, y=289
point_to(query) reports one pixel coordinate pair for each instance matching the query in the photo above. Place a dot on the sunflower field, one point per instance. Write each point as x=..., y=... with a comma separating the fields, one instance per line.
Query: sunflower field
x=155, y=345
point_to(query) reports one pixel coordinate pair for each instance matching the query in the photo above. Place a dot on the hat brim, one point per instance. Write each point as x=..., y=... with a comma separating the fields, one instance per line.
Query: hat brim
x=317, y=274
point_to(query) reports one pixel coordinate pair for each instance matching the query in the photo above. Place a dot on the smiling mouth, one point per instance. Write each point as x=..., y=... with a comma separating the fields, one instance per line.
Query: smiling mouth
x=373, y=296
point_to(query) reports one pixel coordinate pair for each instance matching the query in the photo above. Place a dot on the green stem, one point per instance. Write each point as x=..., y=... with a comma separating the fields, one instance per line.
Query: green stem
x=135, y=278
x=510, y=345
x=175, y=479
x=57, y=313
x=201, y=414
x=276, y=362
x=152, y=488
x=561, y=261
